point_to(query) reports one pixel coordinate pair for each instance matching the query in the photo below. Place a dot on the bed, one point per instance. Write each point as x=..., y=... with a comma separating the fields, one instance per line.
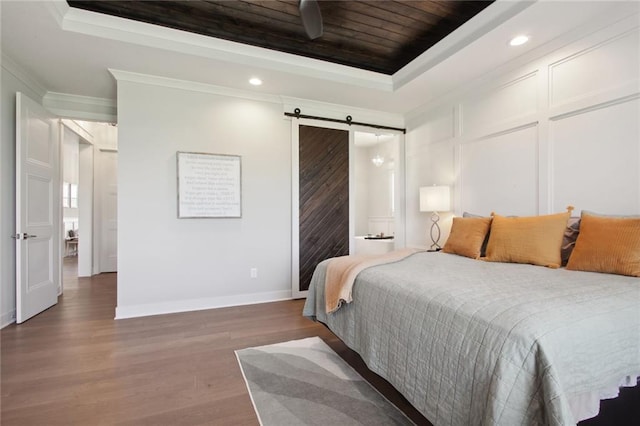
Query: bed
x=471, y=342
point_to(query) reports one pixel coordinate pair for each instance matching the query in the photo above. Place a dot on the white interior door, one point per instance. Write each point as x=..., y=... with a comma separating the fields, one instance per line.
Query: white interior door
x=37, y=209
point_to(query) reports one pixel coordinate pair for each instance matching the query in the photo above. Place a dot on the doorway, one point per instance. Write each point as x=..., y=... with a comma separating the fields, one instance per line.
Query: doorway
x=70, y=175
x=43, y=192
x=378, y=190
x=89, y=176
x=306, y=253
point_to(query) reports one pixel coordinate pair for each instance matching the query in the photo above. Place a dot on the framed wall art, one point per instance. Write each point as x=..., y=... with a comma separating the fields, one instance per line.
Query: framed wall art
x=209, y=185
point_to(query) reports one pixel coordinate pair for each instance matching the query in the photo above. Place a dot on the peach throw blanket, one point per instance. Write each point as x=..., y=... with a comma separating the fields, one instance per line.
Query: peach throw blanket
x=342, y=271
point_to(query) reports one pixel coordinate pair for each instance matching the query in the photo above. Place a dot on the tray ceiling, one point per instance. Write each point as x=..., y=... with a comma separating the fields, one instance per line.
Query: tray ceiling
x=381, y=36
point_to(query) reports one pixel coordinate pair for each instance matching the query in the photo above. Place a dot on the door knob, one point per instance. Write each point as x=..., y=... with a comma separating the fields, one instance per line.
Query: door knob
x=23, y=236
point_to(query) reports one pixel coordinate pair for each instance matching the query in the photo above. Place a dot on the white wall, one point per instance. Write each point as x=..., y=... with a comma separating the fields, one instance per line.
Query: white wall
x=561, y=130
x=168, y=264
x=12, y=81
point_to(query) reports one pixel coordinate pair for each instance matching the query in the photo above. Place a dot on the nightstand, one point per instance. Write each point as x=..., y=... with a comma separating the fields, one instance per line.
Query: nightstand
x=373, y=246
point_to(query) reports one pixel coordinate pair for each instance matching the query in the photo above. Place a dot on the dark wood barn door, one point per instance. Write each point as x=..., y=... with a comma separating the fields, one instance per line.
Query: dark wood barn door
x=323, y=198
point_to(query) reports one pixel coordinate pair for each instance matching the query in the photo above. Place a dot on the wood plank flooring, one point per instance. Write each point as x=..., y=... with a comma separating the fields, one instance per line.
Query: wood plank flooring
x=75, y=365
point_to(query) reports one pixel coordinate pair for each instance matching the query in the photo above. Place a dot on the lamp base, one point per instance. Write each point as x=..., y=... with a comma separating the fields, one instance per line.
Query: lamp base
x=435, y=232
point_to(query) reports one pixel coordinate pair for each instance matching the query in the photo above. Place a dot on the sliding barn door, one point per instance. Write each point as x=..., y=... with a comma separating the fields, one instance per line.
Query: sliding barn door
x=323, y=177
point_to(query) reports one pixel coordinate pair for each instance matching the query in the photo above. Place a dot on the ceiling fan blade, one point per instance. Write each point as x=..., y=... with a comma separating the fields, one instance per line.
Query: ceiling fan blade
x=311, y=18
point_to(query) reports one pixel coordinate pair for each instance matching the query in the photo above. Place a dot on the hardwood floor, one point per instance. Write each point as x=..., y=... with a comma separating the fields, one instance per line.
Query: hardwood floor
x=75, y=365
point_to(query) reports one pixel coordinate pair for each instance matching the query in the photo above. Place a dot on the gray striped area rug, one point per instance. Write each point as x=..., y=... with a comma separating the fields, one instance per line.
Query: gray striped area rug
x=304, y=382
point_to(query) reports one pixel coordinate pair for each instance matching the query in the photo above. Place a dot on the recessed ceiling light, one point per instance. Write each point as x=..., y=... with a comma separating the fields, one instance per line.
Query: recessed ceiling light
x=518, y=40
x=255, y=81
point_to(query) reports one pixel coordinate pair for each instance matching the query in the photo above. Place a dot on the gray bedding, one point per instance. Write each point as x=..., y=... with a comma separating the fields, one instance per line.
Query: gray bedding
x=469, y=342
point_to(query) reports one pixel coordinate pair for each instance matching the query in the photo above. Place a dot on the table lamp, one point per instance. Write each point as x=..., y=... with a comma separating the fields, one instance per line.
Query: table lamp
x=435, y=199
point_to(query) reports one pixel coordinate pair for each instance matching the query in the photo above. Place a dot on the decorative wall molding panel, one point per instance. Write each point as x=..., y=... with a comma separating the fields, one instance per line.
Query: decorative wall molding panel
x=606, y=68
x=500, y=173
x=595, y=159
x=562, y=129
x=499, y=106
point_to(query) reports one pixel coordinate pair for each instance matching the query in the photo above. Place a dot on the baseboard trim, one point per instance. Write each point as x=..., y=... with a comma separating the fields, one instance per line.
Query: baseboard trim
x=189, y=305
x=7, y=318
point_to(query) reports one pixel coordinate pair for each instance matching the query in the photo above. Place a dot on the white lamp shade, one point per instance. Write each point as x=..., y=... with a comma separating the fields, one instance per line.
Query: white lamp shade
x=435, y=199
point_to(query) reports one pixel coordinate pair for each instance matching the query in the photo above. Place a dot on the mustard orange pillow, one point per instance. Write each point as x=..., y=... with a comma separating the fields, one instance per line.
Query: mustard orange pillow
x=467, y=235
x=533, y=239
x=483, y=250
x=607, y=244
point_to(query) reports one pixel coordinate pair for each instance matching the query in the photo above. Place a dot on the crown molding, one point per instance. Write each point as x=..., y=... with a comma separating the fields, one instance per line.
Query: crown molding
x=58, y=9
x=487, y=20
x=81, y=107
x=288, y=103
x=193, y=86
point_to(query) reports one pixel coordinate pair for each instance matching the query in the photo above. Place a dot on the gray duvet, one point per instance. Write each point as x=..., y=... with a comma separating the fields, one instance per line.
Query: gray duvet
x=469, y=342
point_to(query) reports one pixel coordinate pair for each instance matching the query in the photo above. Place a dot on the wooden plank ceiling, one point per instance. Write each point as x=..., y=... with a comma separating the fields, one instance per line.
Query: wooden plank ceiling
x=381, y=36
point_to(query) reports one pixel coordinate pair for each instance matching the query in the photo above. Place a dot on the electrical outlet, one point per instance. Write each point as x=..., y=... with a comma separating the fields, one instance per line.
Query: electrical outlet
x=254, y=272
